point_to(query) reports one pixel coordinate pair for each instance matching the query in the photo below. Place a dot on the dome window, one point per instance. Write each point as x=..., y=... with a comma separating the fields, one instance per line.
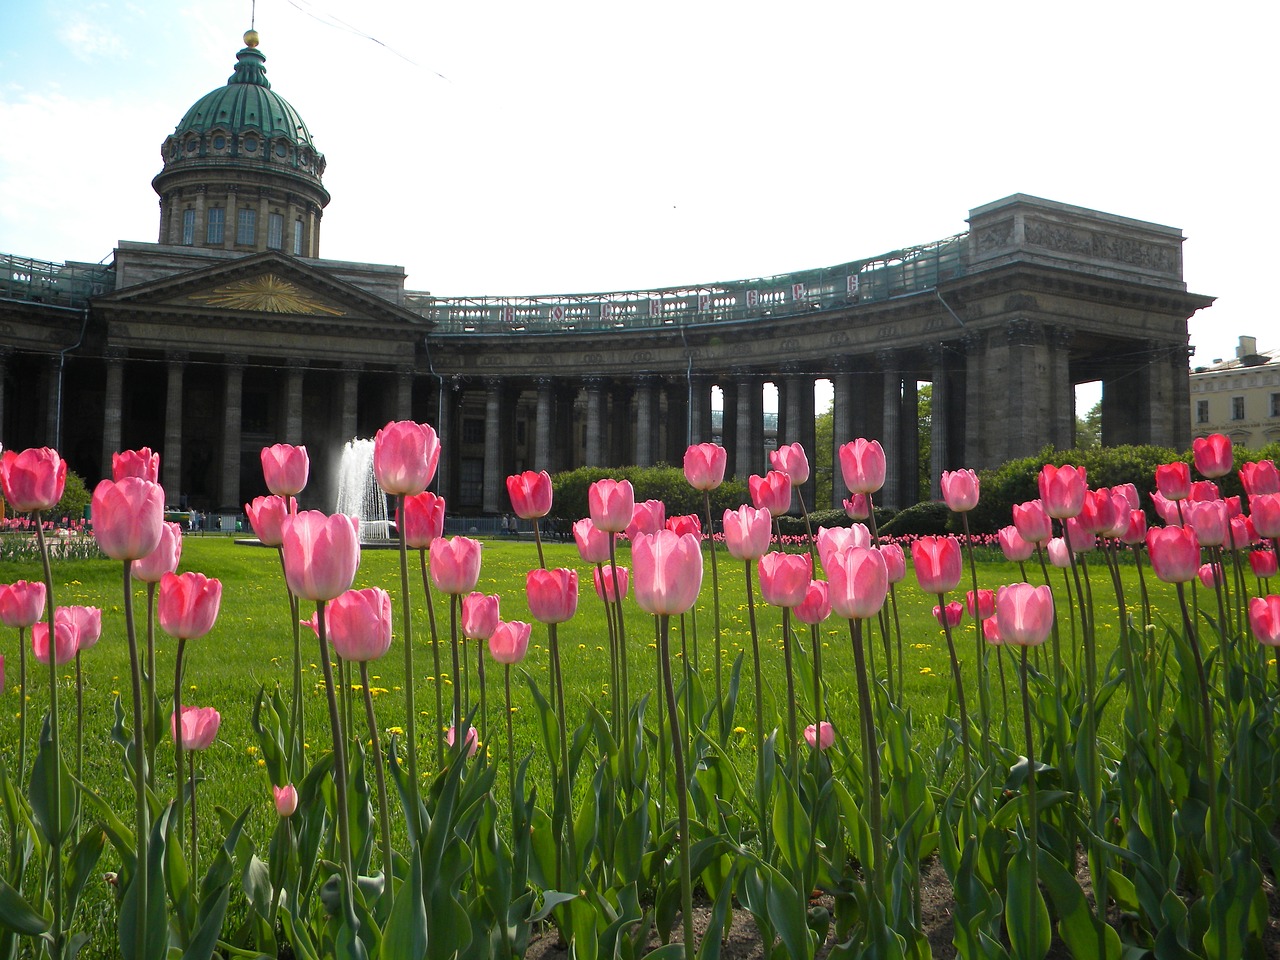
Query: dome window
x=191, y=145
x=281, y=150
x=250, y=144
x=219, y=142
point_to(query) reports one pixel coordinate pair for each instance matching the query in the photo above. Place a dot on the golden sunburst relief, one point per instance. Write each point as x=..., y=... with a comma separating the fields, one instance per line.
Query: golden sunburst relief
x=267, y=293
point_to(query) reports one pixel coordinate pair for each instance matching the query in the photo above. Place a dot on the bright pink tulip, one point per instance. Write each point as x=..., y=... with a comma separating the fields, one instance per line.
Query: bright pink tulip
x=603, y=577
x=1014, y=547
x=1080, y=539
x=65, y=641
x=313, y=622
x=1136, y=529
x=816, y=605
x=1120, y=515
x=423, y=518
x=647, y=517
x=359, y=624
x=1213, y=455
x=771, y=492
x=479, y=615
x=593, y=543
x=1264, y=509
x=862, y=464
x=833, y=539
x=991, y=631
x=1233, y=506
x=1175, y=553
x=747, y=533
x=1204, y=490
x=1173, y=480
x=1260, y=477
x=1024, y=613
x=1059, y=556
x=791, y=460
x=87, y=622
x=857, y=583
x=950, y=615
x=960, y=490
x=21, y=603
x=285, y=468
x=1264, y=619
x=163, y=559
x=688, y=523
x=1166, y=510
x=530, y=494
x=1097, y=511
x=455, y=564
x=821, y=735
x=1129, y=492
x=142, y=464
x=611, y=502
x=666, y=572
x=199, y=727
x=286, y=799
x=1263, y=563
x=473, y=739
x=127, y=517
x=1209, y=520
x=704, y=465
x=266, y=517
x=784, y=578
x=1061, y=490
x=986, y=603
x=895, y=561
x=552, y=594
x=1032, y=521
x=405, y=456
x=188, y=604
x=33, y=479
x=1210, y=574
x=321, y=554
x=857, y=507
x=510, y=641
x=937, y=563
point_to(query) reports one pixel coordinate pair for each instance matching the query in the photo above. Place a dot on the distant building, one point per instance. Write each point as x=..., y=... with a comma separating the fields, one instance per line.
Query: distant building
x=1238, y=397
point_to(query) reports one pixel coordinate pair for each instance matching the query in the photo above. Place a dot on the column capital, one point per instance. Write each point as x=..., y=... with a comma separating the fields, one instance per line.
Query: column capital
x=595, y=383
x=1059, y=335
x=296, y=363
x=235, y=360
x=1023, y=333
x=973, y=342
x=493, y=384
x=111, y=354
x=544, y=383
x=887, y=360
x=177, y=356
x=744, y=374
x=842, y=364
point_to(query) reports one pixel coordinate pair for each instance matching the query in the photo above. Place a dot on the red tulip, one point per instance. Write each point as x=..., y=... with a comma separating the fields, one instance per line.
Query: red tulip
x=510, y=641
x=833, y=539
x=666, y=572
x=127, y=517
x=593, y=543
x=405, y=455
x=163, y=559
x=771, y=492
x=358, y=624
x=199, y=727
x=1209, y=520
x=1173, y=480
x=857, y=583
x=1015, y=548
x=1032, y=521
x=857, y=507
x=688, y=523
x=1260, y=477
x=1264, y=510
x=473, y=739
x=1061, y=490
x=33, y=479
x=422, y=518
x=65, y=641
x=530, y=494
x=863, y=465
x=188, y=604
x=142, y=464
x=321, y=554
x=21, y=603
x=266, y=517
x=960, y=490
x=1136, y=529
x=747, y=533
x=991, y=632
x=612, y=502
x=821, y=735
x=1264, y=619
x=552, y=594
x=704, y=465
x=1175, y=553
x=949, y=615
x=937, y=563
x=1097, y=511
x=647, y=517
x=87, y=622
x=1024, y=613
x=1210, y=574
x=479, y=615
x=286, y=799
x=1233, y=506
x=285, y=468
x=603, y=577
x=455, y=564
x=1263, y=563
x=791, y=460
x=986, y=603
x=816, y=605
x=1213, y=455
x=784, y=578
x=895, y=561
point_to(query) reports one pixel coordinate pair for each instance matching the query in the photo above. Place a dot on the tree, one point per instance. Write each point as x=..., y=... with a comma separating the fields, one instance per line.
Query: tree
x=1089, y=428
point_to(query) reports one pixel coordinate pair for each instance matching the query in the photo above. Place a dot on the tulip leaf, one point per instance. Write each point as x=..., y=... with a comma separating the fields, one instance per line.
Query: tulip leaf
x=1024, y=905
x=1079, y=928
x=406, y=932
x=18, y=915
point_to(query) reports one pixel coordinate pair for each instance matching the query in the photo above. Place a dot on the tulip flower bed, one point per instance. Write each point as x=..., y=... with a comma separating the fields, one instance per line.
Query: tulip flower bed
x=337, y=805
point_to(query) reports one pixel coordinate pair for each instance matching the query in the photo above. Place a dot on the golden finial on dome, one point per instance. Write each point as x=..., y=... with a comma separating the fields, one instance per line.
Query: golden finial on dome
x=251, y=38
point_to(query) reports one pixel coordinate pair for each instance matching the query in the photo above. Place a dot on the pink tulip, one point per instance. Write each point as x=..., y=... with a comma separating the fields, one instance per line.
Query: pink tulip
x=1204, y=490
x=266, y=517
x=771, y=492
x=285, y=468
x=1175, y=553
x=87, y=622
x=286, y=799
x=530, y=494
x=552, y=594
x=1264, y=510
x=188, y=604
x=65, y=641
x=611, y=503
x=473, y=739
x=960, y=490
x=747, y=533
x=647, y=517
x=359, y=624
x=895, y=561
x=1233, y=506
x=603, y=577
x=1097, y=511
x=1032, y=521
x=833, y=539
x=1059, y=556
x=321, y=554
x=857, y=583
x=455, y=565
x=862, y=463
x=1130, y=494
x=1079, y=538
x=704, y=465
x=422, y=518
x=666, y=572
x=784, y=578
x=986, y=603
x=163, y=559
x=1260, y=477
x=199, y=727
x=857, y=507
x=21, y=603
x=1264, y=619
x=816, y=606
x=127, y=517
x=688, y=523
x=142, y=464
x=1061, y=490
x=1209, y=520
x=405, y=456
x=1014, y=547
x=1210, y=574
x=1120, y=519
x=937, y=563
x=791, y=460
x=593, y=543
x=1173, y=480
x=1024, y=613
x=991, y=632
x=1213, y=455
x=479, y=615
x=820, y=736
x=1166, y=510
x=33, y=479
x=1263, y=563
x=949, y=615
x=510, y=641
x=1135, y=530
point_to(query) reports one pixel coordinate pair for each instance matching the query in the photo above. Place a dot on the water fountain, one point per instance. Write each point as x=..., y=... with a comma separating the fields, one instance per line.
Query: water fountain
x=359, y=494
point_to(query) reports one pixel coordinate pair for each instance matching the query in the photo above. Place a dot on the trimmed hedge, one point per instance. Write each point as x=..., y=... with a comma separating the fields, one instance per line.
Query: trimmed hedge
x=928, y=518
x=667, y=484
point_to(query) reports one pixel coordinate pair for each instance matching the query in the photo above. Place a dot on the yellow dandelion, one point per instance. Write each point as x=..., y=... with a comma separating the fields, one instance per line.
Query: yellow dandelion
x=261, y=762
x=739, y=730
x=926, y=671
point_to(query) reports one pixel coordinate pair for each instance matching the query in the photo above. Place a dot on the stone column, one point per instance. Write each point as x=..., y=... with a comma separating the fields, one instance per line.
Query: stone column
x=171, y=457
x=112, y=407
x=1062, y=394
x=938, y=419
x=643, y=455
x=1156, y=396
x=729, y=425
x=1180, y=407
x=841, y=425
x=700, y=409
x=792, y=415
x=748, y=452
x=1026, y=410
x=53, y=406
x=546, y=419
x=595, y=421
x=349, y=414
x=198, y=237
x=976, y=414
x=909, y=442
x=404, y=393
x=676, y=422
x=889, y=433
x=296, y=366
x=230, y=220
x=493, y=481
x=232, y=414
x=446, y=403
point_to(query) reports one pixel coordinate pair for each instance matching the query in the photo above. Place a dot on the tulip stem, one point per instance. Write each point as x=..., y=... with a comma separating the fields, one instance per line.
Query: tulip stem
x=177, y=733
x=870, y=763
x=624, y=720
x=1033, y=816
x=435, y=659
x=537, y=539
x=1211, y=770
x=960, y=703
x=153, y=735
x=141, y=813
x=410, y=711
x=682, y=793
x=566, y=785
x=22, y=708
x=511, y=740
x=460, y=724
x=195, y=833
x=55, y=811
x=715, y=591
x=80, y=718
x=980, y=664
x=793, y=736
x=484, y=698
x=384, y=815
x=339, y=774
x=297, y=724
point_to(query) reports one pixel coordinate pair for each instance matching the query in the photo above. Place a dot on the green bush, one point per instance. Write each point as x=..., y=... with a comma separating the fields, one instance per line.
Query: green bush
x=923, y=519
x=794, y=526
x=667, y=484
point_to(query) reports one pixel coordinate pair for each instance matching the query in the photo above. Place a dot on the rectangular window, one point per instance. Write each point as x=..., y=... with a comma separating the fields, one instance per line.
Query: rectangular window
x=471, y=482
x=213, y=232
x=1275, y=405
x=246, y=227
x=1237, y=408
x=472, y=430
x=275, y=231
x=297, y=238
x=188, y=227
x=1202, y=411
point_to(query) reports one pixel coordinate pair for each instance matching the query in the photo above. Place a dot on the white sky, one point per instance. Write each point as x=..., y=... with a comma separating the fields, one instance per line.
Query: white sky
x=574, y=147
